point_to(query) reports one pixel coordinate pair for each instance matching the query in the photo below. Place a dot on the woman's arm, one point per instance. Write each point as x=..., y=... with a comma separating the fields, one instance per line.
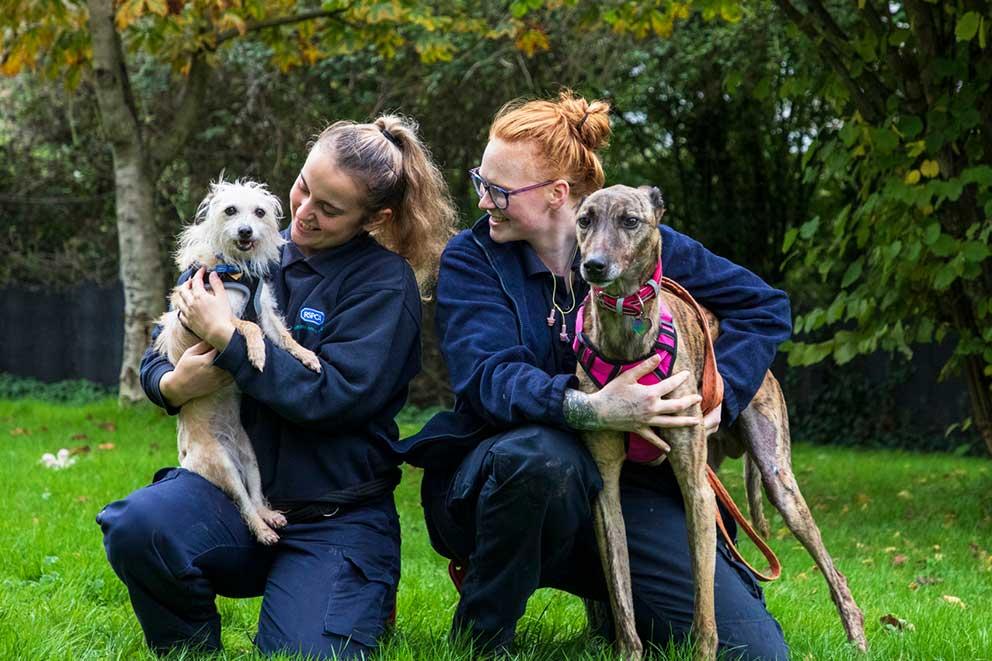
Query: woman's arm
x=478, y=330
x=365, y=357
x=170, y=386
x=754, y=317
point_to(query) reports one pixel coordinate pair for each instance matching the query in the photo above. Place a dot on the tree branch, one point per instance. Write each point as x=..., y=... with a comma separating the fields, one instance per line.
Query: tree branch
x=227, y=35
x=905, y=67
x=173, y=137
x=867, y=100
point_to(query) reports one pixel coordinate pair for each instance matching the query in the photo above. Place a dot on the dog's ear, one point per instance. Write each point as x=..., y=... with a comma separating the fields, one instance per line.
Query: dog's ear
x=204, y=208
x=657, y=201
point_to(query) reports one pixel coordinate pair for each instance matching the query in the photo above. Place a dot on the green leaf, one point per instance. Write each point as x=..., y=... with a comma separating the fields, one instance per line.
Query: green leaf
x=967, y=26
x=836, y=309
x=885, y=140
x=946, y=274
x=844, y=352
x=975, y=251
x=853, y=272
x=980, y=174
x=809, y=228
x=931, y=234
x=910, y=126
x=789, y=239
x=519, y=8
x=945, y=246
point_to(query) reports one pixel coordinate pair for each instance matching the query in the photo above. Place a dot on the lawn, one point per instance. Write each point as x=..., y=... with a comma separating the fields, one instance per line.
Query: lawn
x=912, y=532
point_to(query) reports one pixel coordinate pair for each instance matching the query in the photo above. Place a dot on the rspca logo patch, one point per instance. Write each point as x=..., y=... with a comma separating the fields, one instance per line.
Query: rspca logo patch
x=311, y=316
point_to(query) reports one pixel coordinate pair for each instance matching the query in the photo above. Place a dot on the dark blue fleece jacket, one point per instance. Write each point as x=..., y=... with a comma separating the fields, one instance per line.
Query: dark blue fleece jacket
x=507, y=366
x=327, y=437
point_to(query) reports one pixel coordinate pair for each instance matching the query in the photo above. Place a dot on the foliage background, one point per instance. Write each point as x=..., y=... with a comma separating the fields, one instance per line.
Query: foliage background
x=741, y=122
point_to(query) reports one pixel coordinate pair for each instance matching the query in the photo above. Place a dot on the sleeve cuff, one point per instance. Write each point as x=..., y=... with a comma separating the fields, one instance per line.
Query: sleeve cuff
x=155, y=393
x=556, y=403
x=234, y=356
x=730, y=407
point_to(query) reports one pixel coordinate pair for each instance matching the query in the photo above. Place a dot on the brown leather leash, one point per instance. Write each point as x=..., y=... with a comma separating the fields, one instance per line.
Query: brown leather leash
x=712, y=393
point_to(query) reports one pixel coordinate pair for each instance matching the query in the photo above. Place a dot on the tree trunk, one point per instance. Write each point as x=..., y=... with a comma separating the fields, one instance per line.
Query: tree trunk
x=140, y=262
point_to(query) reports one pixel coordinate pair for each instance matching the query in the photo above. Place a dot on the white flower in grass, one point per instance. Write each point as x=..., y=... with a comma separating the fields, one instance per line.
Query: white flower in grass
x=62, y=459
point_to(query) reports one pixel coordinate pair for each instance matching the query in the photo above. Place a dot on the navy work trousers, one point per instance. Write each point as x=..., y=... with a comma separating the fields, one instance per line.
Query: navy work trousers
x=518, y=511
x=329, y=586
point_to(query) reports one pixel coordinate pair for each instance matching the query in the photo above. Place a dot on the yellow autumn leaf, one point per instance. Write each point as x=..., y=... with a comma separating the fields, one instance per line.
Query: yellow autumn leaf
x=14, y=62
x=232, y=21
x=954, y=601
x=930, y=169
x=912, y=177
x=533, y=41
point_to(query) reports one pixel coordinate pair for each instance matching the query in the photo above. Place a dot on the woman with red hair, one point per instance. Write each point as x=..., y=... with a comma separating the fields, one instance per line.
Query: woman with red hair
x=509, y=485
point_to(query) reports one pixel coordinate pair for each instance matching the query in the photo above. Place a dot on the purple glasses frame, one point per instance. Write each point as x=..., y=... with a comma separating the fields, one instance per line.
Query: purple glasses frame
x=482, y=187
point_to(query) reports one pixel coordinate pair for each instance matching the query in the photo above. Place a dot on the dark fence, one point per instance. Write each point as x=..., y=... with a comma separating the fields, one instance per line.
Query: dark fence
x=75, y=334
x=69, y=333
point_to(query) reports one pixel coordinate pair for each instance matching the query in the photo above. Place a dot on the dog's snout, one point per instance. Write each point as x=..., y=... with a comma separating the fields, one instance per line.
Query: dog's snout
x=244, y=232
x=594, y=265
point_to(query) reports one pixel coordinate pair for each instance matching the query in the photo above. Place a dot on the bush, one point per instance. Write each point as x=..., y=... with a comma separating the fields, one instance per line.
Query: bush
x=77, y=391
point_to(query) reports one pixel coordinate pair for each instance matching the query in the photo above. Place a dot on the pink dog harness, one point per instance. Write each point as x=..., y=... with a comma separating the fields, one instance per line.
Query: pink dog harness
x=602, y=371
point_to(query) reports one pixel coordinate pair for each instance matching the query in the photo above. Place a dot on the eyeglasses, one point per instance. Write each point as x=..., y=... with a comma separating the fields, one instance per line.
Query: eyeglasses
x=500, y=196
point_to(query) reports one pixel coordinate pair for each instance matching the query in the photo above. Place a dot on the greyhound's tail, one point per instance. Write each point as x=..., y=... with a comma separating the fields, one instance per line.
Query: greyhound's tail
x=755, y=502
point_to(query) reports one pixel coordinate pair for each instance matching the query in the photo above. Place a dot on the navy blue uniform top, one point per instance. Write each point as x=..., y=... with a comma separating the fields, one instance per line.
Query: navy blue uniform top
x=327, y=437
x=508, y=368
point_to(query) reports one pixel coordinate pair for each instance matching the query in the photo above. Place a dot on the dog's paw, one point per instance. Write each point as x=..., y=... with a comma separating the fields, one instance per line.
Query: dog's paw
x=266, y=536
x=273, y=517
x=256, y=355
x=309, y=360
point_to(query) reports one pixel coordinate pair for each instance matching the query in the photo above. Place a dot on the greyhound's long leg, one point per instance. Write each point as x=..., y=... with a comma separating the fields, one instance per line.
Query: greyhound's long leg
x=765, y=428
x=611, y=534
x=688, y=457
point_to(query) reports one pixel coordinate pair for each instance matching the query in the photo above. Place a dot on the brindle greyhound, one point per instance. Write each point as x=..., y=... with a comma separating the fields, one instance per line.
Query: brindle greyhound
x=621, y=248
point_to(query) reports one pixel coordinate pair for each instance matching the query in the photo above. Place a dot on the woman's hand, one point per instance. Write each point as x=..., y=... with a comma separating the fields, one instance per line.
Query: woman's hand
x=626, y=405
x=194, y=376
x=712, y=420
x=207, y=313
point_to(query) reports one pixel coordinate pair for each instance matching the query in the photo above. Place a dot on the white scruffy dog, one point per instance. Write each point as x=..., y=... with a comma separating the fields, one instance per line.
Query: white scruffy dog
x=236, y=234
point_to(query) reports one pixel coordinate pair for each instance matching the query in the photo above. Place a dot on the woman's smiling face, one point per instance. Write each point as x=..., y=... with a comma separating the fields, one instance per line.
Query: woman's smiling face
x=327, y=206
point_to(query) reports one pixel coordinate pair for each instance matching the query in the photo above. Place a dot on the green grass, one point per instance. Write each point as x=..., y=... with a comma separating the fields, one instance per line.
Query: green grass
x=889, y=518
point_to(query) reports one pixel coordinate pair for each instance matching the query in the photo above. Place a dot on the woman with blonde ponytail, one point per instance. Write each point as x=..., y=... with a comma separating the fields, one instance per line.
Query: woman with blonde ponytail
x=508, y=484
x=370, y=214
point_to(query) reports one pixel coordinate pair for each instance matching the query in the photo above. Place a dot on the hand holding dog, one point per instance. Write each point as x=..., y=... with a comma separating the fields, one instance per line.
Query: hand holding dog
x=626, y=405
x=207, y=313
x=194, y=376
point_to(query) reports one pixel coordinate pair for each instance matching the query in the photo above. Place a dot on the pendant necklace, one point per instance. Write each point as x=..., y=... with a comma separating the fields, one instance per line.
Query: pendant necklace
x=563, y=335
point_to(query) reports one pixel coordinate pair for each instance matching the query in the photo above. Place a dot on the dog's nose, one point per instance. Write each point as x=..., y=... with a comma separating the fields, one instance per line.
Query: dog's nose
x=594, y=266
x=244, y=232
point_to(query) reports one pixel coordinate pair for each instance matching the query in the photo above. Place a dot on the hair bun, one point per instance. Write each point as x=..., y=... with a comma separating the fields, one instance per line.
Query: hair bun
x=590, y=121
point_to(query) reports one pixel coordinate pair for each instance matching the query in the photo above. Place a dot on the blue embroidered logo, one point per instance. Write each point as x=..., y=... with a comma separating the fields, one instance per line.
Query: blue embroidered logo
x=311, y=316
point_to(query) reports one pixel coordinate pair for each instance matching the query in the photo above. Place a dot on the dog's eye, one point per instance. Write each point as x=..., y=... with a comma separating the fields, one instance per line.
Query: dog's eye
x=630, y=222
x=260, y=212
x=583, y=222
x=230, y=211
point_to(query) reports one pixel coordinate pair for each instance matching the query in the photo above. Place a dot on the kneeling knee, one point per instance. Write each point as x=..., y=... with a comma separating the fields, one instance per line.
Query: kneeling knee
x=552, y=461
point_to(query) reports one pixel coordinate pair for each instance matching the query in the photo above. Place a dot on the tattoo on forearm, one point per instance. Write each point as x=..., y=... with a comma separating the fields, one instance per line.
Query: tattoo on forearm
x=579, y=414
